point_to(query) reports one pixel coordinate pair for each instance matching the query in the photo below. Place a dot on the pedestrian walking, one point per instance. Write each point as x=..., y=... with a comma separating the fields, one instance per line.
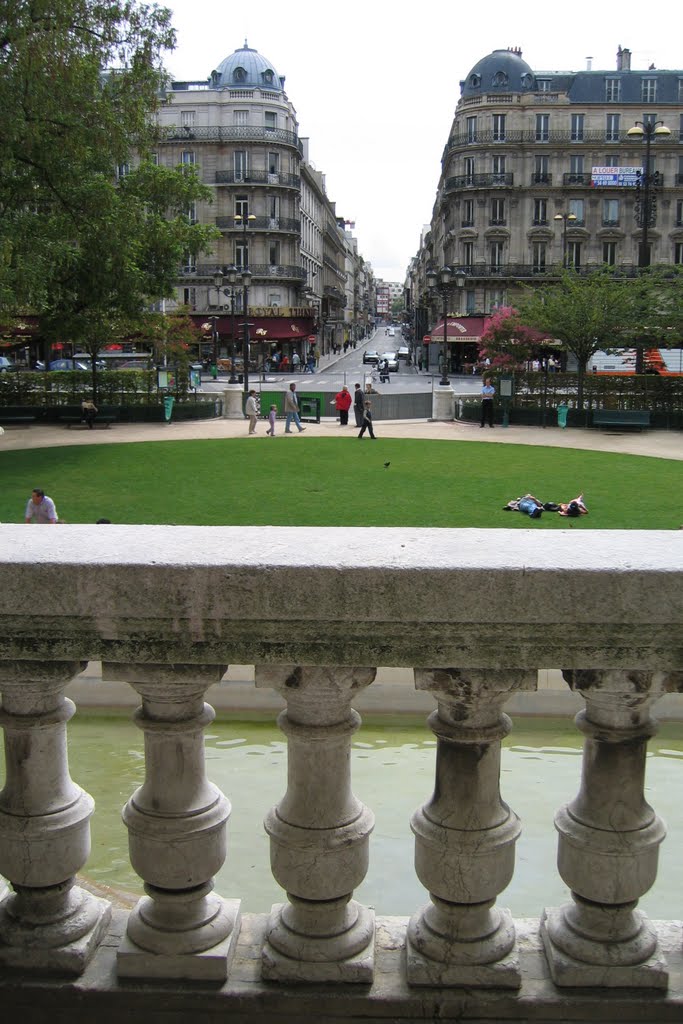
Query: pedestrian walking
x=272, y=416
x=40, y=508
x=342, y=402
x=251, y=411
x=367, y=422
x=487, y=393
x=358, y=405
x=296, y=362
x=292, y=410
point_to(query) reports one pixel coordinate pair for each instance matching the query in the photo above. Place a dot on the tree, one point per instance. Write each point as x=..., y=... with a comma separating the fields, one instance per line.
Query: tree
x=506, y=341
x=86, y=242
x=599, y=311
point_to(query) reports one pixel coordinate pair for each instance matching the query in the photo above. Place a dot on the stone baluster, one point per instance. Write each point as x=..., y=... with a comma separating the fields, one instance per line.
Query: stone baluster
x=177, y=833
x=319, y=833
x=48, y=922
x=609, y=838
x=465, y=836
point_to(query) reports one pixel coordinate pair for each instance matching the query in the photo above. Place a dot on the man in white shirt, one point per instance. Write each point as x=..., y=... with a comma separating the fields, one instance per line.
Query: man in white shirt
x=251, y=411
x=40, y=508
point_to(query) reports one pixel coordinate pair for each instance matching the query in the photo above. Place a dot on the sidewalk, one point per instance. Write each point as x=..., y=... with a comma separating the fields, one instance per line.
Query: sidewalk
x=654, y=443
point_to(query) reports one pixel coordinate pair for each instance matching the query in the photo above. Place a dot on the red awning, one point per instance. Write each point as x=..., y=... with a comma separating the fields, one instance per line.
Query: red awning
x=261, y=328
x=459, y=329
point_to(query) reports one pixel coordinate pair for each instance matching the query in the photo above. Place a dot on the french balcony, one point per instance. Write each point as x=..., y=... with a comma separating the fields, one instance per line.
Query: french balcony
x=541, y=178
x=607, y=611
x=258, y=178
x=543, y=135
x=174, y=134
x=288, y=225
x=259, y=271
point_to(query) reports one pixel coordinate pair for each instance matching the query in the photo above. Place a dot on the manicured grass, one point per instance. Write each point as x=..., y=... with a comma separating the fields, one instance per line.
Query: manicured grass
x=341, y=482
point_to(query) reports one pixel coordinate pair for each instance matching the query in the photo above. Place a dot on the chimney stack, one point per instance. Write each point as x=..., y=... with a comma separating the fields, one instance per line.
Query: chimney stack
x=619, y=58
x=589, y=63
x=625, y=60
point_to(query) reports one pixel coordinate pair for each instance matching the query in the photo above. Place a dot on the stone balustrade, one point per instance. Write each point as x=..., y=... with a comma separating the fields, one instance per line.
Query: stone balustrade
x=474, y=613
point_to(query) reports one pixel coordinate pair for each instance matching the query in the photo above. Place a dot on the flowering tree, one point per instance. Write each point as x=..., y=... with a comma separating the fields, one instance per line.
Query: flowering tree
x=506, y=341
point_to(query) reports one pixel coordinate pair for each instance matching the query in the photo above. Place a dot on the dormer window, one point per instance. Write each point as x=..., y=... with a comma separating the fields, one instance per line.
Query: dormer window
x=527, y=81
x=268, y=77
x=239, y=75
x=500, y=80
x=475, y=81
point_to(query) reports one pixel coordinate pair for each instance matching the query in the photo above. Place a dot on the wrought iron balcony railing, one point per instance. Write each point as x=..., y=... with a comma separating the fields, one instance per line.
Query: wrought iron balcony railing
x=532, y=135
x=229, y=133
x=258, y=178
x=291, y=225
x=258, y=270
x=478, y=181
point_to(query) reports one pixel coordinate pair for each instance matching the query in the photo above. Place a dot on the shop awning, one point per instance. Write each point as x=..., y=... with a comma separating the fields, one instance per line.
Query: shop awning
x=464, y=329
x=261, y=328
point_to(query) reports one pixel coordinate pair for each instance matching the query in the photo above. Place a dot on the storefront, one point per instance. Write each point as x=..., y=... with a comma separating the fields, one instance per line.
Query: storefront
x=463, y=335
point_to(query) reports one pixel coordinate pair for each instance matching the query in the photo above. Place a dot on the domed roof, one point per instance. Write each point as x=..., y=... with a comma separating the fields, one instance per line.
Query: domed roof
x=500, y=71
x=246, y=69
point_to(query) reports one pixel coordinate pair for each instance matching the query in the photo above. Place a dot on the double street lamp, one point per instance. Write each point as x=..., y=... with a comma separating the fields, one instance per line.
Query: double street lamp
x=440, y=281
x=565, y=218
x=646, y=207
x=246, y=281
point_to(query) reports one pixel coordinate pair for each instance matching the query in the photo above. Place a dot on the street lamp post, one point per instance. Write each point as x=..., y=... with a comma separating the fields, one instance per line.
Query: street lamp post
x=218, y=284
x=246, y=281
x=231, y=274
x=646, y=206
x=565, y=218
x=440, y=281
x=646, y=202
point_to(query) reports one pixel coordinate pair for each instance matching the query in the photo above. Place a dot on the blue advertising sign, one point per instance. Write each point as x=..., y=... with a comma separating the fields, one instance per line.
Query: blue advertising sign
x=619, y=177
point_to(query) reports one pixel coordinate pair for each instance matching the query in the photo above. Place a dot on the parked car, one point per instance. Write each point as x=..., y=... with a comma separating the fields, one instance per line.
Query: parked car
x=6, y=365
x=370, y=356
x=76, y=364
x=392, y=360
x=390, y=331
x=403, y=352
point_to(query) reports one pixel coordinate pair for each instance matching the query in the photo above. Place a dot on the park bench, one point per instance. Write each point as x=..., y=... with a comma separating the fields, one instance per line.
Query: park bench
x=636, y=418
x=73, y=416
x=10, y=416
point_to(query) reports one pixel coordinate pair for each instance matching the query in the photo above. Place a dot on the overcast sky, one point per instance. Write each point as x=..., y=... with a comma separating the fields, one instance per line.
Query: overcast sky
x=375, y=91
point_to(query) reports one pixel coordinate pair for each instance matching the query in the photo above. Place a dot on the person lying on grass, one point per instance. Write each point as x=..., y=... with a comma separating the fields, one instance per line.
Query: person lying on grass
x=535, y=508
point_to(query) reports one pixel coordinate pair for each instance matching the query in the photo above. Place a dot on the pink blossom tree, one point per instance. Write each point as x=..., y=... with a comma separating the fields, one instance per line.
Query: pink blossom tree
x=506, y=342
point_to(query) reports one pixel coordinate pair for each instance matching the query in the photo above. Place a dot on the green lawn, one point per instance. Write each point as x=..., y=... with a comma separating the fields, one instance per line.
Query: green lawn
x=341, y=482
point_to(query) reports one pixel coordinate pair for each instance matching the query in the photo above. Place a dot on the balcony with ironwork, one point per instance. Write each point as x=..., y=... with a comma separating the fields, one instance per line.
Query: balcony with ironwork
x=258, y=178
x=258, y=270
x=174, y=134
x=541, y=178
x=288, y=225
x=530, y=136
x=285, y=600
x=467, y=181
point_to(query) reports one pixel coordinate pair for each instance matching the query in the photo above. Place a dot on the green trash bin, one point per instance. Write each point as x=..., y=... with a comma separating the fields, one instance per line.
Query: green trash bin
x=168, y=407
x=562, y=411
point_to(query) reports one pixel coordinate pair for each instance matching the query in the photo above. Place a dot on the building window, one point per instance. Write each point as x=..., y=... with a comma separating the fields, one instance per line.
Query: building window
x=538, y=257
x=542, y=127
x=190, y=297
x=680, y=90
x=469, y=170
x=680, y=129
x=500, y=80
x=240, y=117
x=612, y=160
x=241, y=254
x=154, y=159
x=650, y=119
x=189, y=264
x=273, y=163
x=267, y=77
x=122, y=171
x=270, y=120
x=470, y=304
x=497, y=211
x=612, y=128
x=574, y=254
x=468, y=255
x=475, y=81
x=575, y=170
x=471, y=129
x=188, y=157
x=242, y=208
x=679, y=213
x=540, y=211
x=649, y=90
x=577, y=127
x=542, y=170
x=678, y=253
x=577, y=207
x=543, y=84
x=498, y=169
x=468, y=213
x=240, y=163
x=499, y=127
x=496, y=255
x=274, y=254
x=239, y=75
x=613, y=90
x=187, y=118
x=273, y=207
x=496, y=298
x=191, y=213
x=609, y=253
x=610, y=214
